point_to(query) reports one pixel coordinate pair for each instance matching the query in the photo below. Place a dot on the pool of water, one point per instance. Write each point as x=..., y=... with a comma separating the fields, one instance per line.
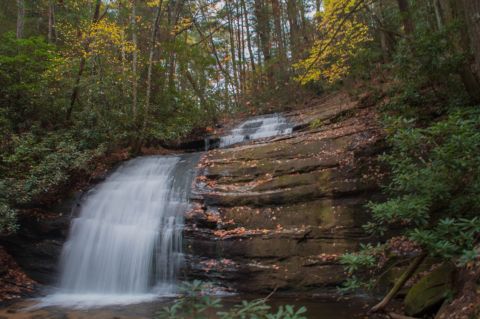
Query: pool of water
x=318, y=308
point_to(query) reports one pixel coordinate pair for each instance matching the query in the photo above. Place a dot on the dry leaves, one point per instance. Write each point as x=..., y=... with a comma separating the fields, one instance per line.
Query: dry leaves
x=14, y=283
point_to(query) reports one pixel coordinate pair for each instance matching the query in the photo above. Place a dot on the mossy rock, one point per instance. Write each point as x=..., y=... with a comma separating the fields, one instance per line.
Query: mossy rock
x=430, y=291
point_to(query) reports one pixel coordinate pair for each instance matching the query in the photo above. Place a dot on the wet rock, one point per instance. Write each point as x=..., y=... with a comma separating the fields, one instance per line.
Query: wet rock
x=37, y=247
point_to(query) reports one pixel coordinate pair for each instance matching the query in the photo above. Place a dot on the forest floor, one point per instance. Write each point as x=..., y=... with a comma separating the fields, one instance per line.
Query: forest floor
x=14, y=283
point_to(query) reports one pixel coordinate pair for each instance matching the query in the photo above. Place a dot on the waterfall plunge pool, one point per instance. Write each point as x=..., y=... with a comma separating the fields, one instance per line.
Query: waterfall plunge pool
x=317, y=308
x=124, y=249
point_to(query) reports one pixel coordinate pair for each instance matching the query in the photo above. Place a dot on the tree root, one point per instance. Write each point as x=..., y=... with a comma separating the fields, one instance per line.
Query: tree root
x=400, y=283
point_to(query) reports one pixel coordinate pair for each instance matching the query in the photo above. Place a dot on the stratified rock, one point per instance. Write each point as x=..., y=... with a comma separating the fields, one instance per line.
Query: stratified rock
x=284, y=210
x=37, y=246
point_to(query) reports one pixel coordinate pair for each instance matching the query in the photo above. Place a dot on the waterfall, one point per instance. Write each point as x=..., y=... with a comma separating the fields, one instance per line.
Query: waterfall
x=256, y=128
x=126, y=243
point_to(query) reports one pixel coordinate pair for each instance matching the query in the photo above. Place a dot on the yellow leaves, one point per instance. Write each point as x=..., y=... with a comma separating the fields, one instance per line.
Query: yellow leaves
x=105, y=36
x=183, y=24
x=342, y=35
x=155, y=3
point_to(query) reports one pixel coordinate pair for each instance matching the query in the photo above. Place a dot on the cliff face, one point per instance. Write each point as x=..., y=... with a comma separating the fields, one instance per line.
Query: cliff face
x=278, y=213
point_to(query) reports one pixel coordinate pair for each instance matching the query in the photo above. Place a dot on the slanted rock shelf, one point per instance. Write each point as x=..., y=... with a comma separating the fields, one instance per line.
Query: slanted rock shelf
x=267, y=212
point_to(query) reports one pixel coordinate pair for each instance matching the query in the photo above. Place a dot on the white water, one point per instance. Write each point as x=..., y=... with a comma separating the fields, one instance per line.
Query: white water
x=126, y=244
x=256, y=128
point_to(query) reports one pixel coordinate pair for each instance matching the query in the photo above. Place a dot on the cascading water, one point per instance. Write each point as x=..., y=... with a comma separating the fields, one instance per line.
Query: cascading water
x=126, y=244
x=256, y=128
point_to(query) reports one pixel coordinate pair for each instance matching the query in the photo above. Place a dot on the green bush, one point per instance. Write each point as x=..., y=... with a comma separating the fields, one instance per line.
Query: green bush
x=23, y=63
x=434, y=193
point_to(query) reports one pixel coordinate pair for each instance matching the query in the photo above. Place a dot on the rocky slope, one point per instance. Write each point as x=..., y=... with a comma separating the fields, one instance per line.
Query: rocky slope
x=277, y=213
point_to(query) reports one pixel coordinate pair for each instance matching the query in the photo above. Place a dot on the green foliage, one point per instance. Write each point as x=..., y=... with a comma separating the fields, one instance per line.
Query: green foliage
x=37, y=166
x=434, y=191
x=451, y=238
x=23, y=63
x=195, y=303
x=354, y=283
x=8, y=217
x=366, y=257
x=425, y=68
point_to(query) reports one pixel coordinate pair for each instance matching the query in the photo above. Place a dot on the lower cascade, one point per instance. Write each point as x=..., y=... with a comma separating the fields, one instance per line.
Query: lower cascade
x=126, y=243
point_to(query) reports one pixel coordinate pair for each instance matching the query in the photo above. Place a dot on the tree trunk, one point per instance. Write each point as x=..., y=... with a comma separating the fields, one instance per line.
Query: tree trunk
x=241, y=35
x=195, y=87
x=318, y=5
x=232, y=49
x=400, y=282
x=174, y=17
x=249, y=41
x=294, y=28
x=263, y=29
x=407, y=21
x=133, y=22
x=51, y=22
x=304, y=29
x=451, y=10
x=240, y=48
x=438, y=14
x=277, y=13
x=153, y=39
x=386, y=40
x=472, y=20
x=20, y=18
x=81, y=68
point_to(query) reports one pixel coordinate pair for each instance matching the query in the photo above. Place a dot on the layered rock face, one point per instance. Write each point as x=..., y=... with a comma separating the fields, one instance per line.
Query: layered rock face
x=37, y=247
x=278, y=213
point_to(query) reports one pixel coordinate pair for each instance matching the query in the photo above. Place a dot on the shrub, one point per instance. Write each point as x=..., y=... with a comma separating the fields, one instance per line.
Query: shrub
x=194, y=303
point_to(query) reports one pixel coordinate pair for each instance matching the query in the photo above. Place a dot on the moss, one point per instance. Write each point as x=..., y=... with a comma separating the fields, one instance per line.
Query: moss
x=430, y=291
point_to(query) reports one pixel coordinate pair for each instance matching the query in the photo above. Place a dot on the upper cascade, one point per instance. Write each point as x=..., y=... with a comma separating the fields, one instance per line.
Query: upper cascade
x=258, y=127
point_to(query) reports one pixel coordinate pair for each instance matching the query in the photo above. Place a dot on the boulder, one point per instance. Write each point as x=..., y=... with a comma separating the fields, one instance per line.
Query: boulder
x=430, y=291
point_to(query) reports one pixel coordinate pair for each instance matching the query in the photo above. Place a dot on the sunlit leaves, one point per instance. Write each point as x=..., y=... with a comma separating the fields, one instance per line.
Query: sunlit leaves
x=342, y=34
x=105, y=37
